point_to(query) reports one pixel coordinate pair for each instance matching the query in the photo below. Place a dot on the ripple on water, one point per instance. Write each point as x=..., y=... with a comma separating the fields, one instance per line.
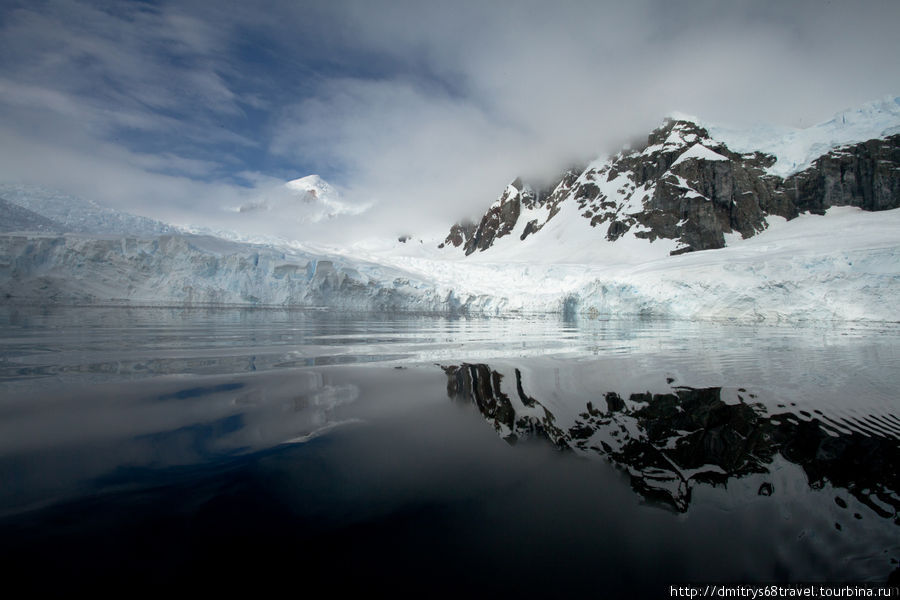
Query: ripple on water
x=786, y=437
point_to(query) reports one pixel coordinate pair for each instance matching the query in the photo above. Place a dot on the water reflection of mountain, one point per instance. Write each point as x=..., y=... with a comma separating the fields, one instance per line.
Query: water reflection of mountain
x=669, y=442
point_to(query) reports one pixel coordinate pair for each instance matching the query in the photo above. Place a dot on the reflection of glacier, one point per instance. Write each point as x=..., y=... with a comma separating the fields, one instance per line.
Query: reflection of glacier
x=669, y=442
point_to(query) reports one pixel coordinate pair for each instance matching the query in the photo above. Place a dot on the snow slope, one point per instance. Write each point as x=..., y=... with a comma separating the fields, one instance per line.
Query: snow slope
x=15, y=218
x=842, y=266
x=76, y=215
x=795, y=270
x=796, y=148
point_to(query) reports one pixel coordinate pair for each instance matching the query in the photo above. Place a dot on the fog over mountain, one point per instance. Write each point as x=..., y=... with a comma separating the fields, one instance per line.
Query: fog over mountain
x=417, y=113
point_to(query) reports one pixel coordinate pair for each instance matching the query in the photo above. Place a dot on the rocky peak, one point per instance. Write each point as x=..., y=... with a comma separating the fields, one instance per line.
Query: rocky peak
x=499, y=220
x=674, y=135
x=503, y=215
x=684, y=185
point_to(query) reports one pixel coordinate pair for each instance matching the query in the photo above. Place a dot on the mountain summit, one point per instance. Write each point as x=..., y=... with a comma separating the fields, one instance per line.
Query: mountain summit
x=308, y=199
x=596, y=242
x=685, y=189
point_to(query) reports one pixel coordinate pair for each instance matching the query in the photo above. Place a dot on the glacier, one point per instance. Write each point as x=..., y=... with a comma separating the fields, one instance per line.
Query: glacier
x=191, y=270
x=794, y=271
x=73, y=214
x=842, y=265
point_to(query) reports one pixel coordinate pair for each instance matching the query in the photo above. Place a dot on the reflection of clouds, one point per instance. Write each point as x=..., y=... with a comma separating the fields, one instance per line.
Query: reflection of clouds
x=671, y=441
x=286, y=412
x=270, y=409
x=302, y=439
x=61, y=440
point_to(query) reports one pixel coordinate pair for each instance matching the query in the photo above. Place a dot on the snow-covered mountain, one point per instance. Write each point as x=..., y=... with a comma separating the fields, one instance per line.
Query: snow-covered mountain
x=686, y=226
x=15, y=218
x=690, y=187
x=795, y=149
x=76, y=215
x=308, y=199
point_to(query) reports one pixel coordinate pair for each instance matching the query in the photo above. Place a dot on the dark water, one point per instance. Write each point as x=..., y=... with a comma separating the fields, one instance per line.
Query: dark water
x=246, y=450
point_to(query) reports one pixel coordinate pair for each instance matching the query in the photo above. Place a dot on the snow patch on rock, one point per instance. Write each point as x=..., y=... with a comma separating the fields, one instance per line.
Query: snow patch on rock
x=796, y=148
x=698, y=152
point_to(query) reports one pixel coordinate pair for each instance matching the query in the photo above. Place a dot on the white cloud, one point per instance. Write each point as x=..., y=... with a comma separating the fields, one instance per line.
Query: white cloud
x=532, y=86
x=423, y=110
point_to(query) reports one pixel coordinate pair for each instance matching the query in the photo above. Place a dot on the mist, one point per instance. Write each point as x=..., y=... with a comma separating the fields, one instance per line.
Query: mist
x=420, y=113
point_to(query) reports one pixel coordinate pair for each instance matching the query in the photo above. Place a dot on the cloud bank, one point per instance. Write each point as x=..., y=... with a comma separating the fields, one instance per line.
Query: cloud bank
x=421, y=111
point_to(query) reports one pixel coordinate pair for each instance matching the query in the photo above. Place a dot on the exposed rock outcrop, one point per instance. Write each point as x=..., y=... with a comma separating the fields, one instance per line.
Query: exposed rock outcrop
x=866, y=175
x=683, y=185
x=503, y=215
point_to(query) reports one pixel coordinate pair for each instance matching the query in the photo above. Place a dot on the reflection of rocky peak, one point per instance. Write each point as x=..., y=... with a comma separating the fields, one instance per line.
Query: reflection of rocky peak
x=684, y=185
x=482, y=386
x=687, y=436
x=670, y=442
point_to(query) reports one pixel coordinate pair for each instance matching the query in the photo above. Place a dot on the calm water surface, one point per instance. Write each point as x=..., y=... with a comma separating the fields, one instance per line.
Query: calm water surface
x=229, y=449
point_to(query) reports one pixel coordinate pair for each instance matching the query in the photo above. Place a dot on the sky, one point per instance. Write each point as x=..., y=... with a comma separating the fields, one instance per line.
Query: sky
x=419, y=112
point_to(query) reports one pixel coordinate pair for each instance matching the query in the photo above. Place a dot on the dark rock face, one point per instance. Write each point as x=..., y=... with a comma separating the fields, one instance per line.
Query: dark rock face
x=498, y=221
x=697, y=201
x=459, y=234
x=502, y=217
x=693, y=200
x=685, y=186
x=866, y=175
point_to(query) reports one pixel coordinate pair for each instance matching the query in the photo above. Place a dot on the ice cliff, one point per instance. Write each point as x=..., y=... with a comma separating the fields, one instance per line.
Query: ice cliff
x=795, y=270
x=701, y=222
x=200, y=271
